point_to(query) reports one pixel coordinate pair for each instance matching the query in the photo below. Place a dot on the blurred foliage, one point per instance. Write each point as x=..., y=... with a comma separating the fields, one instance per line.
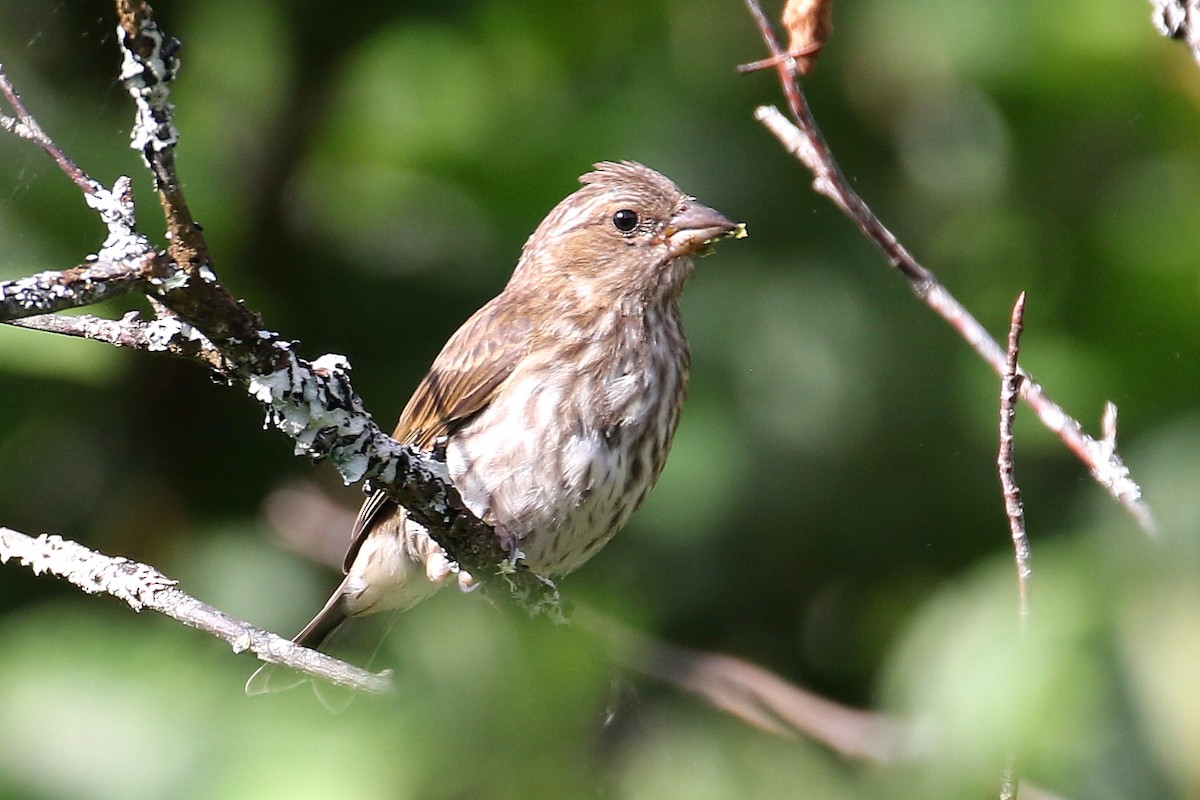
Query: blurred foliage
x=831, y=509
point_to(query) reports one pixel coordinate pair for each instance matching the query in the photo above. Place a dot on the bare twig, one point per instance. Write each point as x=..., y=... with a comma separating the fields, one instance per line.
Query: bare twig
x=1009, y=389
x=808, y=23
x=804, y=140
x=753, y=694
x=23, y=124
x=142, y=586
x=1179, y=19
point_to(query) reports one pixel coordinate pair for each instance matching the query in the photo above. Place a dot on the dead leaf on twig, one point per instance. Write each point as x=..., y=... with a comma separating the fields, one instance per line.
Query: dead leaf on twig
x=808, y=23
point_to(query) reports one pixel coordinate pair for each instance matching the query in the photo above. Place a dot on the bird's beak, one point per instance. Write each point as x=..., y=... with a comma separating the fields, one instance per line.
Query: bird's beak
x=694, y=226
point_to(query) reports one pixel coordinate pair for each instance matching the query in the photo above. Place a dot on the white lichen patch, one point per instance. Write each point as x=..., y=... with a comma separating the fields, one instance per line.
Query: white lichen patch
x=91, y=571
x=332, y=363
x=117, y=212
x=242, y=642
x=146, y=80
x=161, y=334
x=39, y=293
x=175, y=279
x=318, y=409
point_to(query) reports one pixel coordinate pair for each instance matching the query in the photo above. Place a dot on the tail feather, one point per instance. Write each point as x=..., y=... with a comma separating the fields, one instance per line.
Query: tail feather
x=353, y=640
x=270, y=678
x=384, y=575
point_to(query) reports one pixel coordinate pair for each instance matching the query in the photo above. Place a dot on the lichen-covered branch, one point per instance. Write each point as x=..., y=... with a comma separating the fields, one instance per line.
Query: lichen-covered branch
x=802, y=138
x=316, y=406
x=198, y=318
x=312, y=403
x=84, y=285
x=141, y=586
x=169, y=334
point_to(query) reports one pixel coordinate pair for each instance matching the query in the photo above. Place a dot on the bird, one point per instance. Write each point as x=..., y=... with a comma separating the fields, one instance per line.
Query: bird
x=554, y=405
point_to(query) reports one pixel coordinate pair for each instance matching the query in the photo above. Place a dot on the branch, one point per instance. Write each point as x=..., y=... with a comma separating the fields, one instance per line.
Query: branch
x=769, y=702
x=1009, y=388
x=803, y=139
x=1179, y=19
x=753, y=694
x=808, y=23
x=167, y=334
x=142, y=586
x=84, y=285
x=301, y=514
x=313, y=403
x=23, y=125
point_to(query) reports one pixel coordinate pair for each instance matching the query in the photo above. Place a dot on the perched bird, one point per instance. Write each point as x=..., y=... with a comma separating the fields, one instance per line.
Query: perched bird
x=555, y=403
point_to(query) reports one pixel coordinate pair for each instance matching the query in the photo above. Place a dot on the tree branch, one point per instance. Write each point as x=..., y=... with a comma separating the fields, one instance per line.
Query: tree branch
x=169, y=334
x=753, y=694
x=300, y=515
x=1009, y=389
x=313, y=403
x=803, y=139
x=141, y=586
x=84, y=285
x=23, y=125
x=1010, y=384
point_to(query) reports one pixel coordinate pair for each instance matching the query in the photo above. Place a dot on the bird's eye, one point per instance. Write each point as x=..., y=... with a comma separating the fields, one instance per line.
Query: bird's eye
x=625, y=220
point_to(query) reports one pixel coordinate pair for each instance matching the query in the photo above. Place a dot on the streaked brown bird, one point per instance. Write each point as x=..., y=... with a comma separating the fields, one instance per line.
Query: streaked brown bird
x=555, y=403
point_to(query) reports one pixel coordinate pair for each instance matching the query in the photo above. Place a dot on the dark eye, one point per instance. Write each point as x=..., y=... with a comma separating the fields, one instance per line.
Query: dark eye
x=625, y=220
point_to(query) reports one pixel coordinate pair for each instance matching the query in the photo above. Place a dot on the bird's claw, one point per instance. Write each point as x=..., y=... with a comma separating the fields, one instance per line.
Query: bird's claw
x=509, y=542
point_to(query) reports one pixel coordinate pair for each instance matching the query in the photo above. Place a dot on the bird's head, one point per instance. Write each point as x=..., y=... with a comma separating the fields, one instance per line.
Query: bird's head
x=628, y=233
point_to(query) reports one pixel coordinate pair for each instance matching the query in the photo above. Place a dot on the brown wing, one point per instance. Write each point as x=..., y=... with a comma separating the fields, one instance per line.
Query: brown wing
x=463, y=380
x=466, y=375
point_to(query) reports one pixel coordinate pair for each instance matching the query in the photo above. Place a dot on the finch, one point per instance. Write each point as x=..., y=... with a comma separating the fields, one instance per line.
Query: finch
x=555, y=404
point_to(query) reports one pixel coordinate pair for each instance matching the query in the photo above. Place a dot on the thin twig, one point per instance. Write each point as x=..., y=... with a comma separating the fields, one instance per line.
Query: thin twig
x=1010, y=385
x=808, y=23
x=142, y=586
x=23, y=124
x=1009, y=390
x=753, y=694
x=803, y=139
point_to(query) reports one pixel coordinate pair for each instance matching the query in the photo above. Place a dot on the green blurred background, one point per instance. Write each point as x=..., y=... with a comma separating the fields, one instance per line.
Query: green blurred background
x=366, y=176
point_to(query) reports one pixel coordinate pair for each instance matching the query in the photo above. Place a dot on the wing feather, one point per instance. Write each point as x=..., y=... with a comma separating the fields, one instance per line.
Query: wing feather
x=463, y=381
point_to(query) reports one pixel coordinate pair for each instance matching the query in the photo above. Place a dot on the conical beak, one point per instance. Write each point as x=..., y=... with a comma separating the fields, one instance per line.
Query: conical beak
x=694, y=226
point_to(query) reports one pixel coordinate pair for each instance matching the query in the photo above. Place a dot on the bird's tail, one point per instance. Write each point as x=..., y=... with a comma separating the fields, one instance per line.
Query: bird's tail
x=331, y=631
x=276, y=677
